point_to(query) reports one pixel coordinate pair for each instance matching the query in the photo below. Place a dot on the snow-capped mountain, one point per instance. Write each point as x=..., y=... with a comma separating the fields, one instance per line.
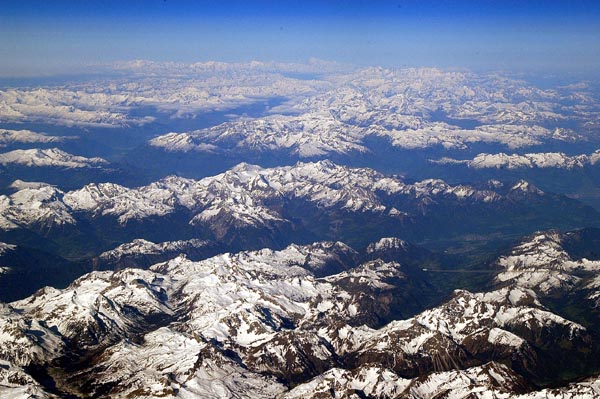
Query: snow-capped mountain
x=141, y=253
x=183, y=269
x=319, y=134
x=492, y=379
x=182, y=91
x=422, y=91
x=245, y=192
x=228, y=325
x=306, y=136
x=525, y=161
x=9, y=136
x=551, y=264
x=243, y=196
x=52, y=157
x=409, y=109
x=252, y=207
x=67, y=107
x=34, y=204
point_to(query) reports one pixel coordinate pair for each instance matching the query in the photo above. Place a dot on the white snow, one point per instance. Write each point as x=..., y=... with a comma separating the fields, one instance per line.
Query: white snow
x=526, y=161
x=53, y=157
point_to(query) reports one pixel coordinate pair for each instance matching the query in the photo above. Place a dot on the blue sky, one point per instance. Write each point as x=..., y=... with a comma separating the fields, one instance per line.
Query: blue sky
x=56, y=36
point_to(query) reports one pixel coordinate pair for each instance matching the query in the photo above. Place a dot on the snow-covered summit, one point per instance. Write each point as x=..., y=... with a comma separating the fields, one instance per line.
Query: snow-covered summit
x=52, y=157
x=524, y=187
x=306, y=136
x=34, y=204
x=261, y=315
x=541, y=160
x=387, y=243
x=144, y=247
x=542, y=263
x=9, y=136
x=244, y=196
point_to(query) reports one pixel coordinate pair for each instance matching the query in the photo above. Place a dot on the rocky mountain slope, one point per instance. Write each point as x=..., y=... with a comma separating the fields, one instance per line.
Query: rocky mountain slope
x=262, y=324
x=250, y=207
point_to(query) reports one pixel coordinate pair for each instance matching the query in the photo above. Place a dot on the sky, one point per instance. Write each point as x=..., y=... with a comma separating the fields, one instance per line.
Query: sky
x=57, y=36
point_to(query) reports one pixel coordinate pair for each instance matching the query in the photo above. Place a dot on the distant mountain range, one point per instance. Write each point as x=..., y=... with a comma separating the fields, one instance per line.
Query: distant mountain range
x=267, y=230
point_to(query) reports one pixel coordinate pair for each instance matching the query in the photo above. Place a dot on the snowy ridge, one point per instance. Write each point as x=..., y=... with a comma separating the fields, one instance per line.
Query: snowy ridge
x=540, y=250
x=98, y=307
x=267, y=310
x=194, y=367
x=306, y=136
x=69, y=107
x=400, y=106
x=411, y=108
x=4, y=247
x=320, y=134
x=526, y=161
x=22, y=185
x=107, y=103
x=524, y=187
x=24, y=341
x=387, y=243
x=371, y=273
x=435, y=134
x=590, y=388
x=16, y=384
x=34, y=204
x=372, y=381
x=9, y=136
x=492, y=379
x=145, y=247
x=52, y=157
x=541, y=263
x=245, y=196
x=448, y=336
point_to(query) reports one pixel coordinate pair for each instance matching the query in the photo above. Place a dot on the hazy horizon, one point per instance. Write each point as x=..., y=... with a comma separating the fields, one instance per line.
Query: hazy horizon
x=38, y=38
